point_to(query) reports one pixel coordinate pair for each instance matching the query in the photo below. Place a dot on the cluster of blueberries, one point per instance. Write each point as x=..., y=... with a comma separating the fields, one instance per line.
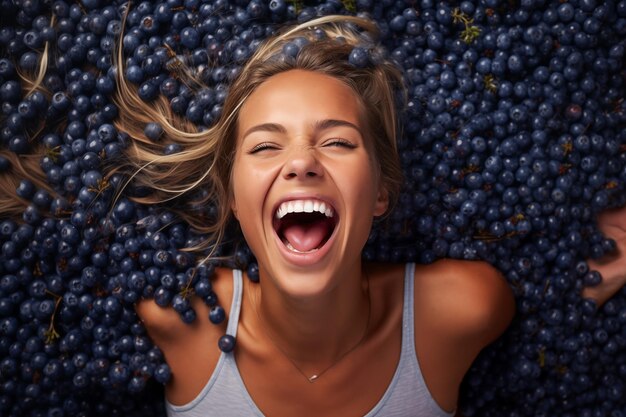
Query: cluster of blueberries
x=513, y=141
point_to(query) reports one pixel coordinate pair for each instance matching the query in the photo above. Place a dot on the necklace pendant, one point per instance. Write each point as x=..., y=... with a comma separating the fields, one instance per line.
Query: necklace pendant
x=312, y=378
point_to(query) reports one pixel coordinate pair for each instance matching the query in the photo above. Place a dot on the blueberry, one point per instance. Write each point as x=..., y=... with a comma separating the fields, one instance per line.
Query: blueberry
x=217, y=314
x=190, y=38
x=566, y=12
x=291, y=50
x=172, y=148
x=398, y=23
x=277, y=7
x=359, y=57
x=154, y=131
x=152, y=65
x=135, y=74
x=148, y=90
x=162, y=296
x=119, y=373
x=10, y=91
x=162, y=374
x=226, y=343
x=25, y=189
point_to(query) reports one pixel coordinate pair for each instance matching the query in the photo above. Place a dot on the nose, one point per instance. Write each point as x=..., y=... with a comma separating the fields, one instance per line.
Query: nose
x=302, y=163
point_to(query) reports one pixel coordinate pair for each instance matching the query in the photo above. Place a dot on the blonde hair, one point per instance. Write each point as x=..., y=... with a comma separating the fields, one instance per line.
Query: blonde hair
x=22, y=167
x=26, y=166
x=206, y=159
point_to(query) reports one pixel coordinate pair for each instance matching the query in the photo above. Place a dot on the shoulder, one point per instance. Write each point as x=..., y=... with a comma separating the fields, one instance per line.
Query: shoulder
x=467, y=299
x=190, y=350
x=165, y=326
x=460, y=307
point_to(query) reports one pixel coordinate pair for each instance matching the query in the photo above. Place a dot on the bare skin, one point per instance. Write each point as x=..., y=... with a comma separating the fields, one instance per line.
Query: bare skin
x=612, y=266
x=460, y=307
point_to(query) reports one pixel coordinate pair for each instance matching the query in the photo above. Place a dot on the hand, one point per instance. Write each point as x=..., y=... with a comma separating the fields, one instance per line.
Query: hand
x=612, y=266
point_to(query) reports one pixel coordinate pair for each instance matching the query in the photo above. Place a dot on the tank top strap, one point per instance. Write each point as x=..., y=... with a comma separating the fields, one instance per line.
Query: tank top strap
x=235, y=306
x=408, y=331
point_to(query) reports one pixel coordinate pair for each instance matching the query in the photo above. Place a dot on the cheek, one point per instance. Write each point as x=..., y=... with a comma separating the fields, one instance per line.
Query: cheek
x=237, y=187
x=247, y=189
x=371, y=174
x=360, y=186
x=232, y=187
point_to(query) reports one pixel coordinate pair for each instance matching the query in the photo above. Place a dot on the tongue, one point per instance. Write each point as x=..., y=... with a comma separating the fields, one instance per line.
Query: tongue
x=306, y=236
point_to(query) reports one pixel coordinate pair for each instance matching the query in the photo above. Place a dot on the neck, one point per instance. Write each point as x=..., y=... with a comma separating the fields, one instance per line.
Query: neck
x=316, y=331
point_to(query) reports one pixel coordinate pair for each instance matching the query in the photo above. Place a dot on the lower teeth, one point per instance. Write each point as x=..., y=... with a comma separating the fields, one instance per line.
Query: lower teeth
x=291, y=248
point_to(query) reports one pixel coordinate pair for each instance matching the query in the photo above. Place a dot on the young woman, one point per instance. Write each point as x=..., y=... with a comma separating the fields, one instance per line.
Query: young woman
x=304, y=158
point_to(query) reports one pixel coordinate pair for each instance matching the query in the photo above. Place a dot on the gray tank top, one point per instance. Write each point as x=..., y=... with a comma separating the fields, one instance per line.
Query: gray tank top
x=225, y=394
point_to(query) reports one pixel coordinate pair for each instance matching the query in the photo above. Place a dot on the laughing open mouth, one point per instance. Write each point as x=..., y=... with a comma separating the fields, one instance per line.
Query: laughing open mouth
x=304, y=226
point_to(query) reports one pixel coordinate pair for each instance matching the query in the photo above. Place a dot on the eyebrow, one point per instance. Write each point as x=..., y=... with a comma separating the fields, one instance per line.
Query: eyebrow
x=317, y=126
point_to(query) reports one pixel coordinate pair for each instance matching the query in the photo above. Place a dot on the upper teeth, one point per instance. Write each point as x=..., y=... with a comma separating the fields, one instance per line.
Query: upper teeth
x=303, y=206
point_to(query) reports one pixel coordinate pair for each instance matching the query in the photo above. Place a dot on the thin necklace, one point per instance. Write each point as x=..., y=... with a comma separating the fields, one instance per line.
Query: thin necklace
x=317, y=375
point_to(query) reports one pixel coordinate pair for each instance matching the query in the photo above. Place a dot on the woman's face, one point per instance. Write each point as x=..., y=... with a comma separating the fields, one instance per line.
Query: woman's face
x=305, y=189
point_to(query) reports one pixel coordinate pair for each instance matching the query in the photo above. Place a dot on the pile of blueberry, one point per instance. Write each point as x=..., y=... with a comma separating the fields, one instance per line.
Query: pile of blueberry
x=513, y=140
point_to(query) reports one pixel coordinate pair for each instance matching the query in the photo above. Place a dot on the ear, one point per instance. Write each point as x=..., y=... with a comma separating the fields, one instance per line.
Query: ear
x=382, y=202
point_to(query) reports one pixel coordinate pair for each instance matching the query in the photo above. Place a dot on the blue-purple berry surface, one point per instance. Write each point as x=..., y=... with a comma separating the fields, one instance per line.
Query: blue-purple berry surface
x=513, y=140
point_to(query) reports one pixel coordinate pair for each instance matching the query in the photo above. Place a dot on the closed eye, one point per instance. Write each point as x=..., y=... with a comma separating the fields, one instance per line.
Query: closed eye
x=262, y=147
x=340, y=143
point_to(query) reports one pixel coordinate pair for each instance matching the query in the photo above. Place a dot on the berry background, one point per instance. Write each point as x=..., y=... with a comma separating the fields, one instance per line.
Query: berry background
x=513, y=140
